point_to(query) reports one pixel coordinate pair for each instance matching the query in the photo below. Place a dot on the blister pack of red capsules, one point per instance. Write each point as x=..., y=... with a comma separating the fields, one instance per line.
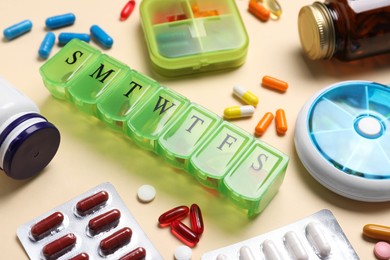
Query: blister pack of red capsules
x=94, y=225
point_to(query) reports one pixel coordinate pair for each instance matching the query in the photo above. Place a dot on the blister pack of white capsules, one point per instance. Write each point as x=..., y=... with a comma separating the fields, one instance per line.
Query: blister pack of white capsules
x=316, y=237
x=94, y=225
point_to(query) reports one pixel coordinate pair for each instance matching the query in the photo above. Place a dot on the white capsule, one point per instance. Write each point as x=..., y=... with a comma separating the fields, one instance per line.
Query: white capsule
x=294, y=246
x=317, y=239
x=246, y=253
x=270, y=250
x=238, y=111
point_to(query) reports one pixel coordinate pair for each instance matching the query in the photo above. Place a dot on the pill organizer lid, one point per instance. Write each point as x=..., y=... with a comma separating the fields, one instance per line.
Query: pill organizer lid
x=343, y=139
x=184, y=37
x=31, y=151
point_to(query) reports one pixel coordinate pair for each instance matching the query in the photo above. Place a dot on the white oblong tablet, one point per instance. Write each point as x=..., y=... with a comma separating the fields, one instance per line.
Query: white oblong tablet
x=183, y=253
x=246, y=253
x=317, y=239
x=146, y=193
x=294, y=246
x=270, y=250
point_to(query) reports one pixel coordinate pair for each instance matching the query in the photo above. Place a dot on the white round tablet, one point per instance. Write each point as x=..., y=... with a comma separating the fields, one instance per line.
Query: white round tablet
x=146, y=193
x=183, y=253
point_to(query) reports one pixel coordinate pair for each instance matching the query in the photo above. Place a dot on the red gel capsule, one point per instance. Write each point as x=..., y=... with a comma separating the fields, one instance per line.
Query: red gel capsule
x=171, y=215
x=115, y=241
x=46, y=225
x=136, y=254
x=127, y=10
x=196, y=219
x=104, y=221
x=82, y=256
x=90, y=203
x=184, y=233
x=59, y=247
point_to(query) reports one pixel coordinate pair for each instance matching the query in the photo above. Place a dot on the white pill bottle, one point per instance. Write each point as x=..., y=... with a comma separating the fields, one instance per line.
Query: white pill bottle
x=28, y=142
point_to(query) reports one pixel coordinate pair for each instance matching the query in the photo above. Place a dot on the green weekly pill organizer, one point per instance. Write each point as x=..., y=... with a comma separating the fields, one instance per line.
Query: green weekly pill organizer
x=217, y=153
x=188, y=36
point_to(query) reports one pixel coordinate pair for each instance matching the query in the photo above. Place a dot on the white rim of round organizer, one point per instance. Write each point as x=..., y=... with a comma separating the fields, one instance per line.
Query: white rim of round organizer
x=347, y=185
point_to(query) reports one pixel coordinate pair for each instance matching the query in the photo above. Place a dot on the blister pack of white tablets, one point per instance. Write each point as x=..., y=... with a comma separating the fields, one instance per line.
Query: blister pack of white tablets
x=94, y=225
x=316, y=237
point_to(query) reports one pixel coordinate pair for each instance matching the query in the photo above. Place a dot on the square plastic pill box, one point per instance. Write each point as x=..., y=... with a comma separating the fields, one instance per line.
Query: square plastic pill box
x=94, y=225
x=190, y=36
x=316, y=237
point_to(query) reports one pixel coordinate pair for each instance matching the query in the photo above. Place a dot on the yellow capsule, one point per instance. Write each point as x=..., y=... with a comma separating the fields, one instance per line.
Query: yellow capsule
x=264, y=123
x=238, y=111
x=281, y=122
x=245, y=95
x=378, y=232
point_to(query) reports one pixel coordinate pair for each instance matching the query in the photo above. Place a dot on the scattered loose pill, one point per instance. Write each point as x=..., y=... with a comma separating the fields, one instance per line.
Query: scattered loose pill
x=136, y=254
x=274, y=83
x=281, y=122
x=258, y=10
x=245, y=95
x=127, y=10
x=59, y=21
x=66, y=37
x=295, y=246
x=238, y=112
x=104, y=221
x=264, y=123
x=382, y=250
x=270, y=250
x=46, y=225
x=91, y=203
x=378, y=232
x=196, y=219
x=46, y=45
x=274, y=7
x=316, y=237
x=171, y=215
x=59, y=247
x=115, y=241
x=184, y=233
x=101, y=36
x=183, y=253
x=82, y=256
x=17, y=30
x=246, y=253
x=146, y=193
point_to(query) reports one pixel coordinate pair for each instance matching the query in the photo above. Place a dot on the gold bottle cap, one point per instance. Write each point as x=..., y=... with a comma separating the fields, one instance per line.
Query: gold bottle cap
x=316, y=31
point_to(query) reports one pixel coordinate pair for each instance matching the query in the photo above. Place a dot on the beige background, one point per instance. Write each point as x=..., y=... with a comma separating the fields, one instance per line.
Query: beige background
x=91, y=154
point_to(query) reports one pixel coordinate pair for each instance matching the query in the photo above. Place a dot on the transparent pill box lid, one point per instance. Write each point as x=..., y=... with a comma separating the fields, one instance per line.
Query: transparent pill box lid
x=189, y=36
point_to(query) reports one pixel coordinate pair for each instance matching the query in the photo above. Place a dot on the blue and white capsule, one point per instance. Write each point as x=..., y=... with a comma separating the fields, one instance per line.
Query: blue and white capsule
x=66, y=37
x=59, y=21
x=101, y=36
x=17, y=30
x=46, y=45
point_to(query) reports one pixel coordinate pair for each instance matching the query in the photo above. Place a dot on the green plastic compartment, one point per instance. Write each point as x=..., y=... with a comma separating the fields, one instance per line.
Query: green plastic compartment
x=189, y=36
x=218, y=154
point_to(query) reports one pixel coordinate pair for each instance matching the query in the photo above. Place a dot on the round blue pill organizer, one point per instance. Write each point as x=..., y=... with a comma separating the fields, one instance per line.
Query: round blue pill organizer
x=342, y=137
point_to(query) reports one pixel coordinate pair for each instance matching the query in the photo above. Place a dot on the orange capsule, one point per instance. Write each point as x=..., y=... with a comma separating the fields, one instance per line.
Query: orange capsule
x=281, y=122
x=274, y=83
x=378, y=232
x=258, y=10
x=264, y=123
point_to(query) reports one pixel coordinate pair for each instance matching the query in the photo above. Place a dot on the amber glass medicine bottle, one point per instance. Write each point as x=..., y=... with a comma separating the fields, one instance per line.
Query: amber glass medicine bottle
x=345, y=29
